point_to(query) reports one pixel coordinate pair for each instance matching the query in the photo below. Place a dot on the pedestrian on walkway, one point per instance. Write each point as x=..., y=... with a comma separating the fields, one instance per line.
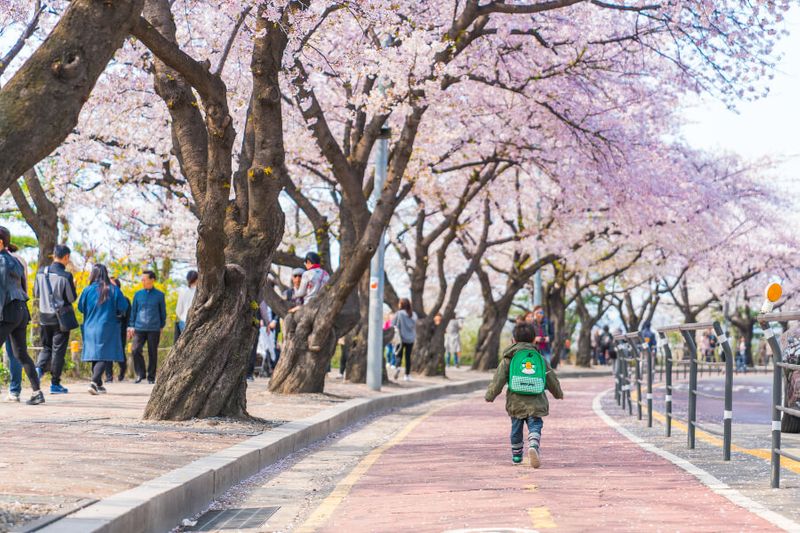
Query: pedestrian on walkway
x=102, y=304
x=124, y=319
x=405, y=320
x=185, y=299
x=148, y=318
x=313, y=279
x=543, y=333
x=452, y=342
x=524, y=408
x=597, y=356
x=15, y=374
x=14, y=316
x=55, y=289
x=649, y=336
x=13, y=365
x=267, y=337
x=741, y=355
x=607, y=345
x=387, y=325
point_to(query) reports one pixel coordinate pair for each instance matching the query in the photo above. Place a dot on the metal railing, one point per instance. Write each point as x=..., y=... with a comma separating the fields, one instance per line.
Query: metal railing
x=629, y=343
x=778, y=409
x=634, y=342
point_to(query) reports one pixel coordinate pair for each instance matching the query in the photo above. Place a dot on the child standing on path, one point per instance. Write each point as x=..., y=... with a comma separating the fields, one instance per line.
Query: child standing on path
x=524, y=407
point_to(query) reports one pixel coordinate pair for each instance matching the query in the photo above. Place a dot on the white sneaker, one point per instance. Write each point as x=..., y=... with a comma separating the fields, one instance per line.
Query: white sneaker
x=536, y=460
x=12, y=397
x=406, y=378
x=396, y=373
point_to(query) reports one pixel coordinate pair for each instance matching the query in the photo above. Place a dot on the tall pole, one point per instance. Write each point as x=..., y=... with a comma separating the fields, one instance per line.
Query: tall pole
x=537, y=277
x=375, y=335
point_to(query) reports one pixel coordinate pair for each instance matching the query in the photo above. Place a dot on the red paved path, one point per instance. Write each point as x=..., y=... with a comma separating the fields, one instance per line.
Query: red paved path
x=454, y=471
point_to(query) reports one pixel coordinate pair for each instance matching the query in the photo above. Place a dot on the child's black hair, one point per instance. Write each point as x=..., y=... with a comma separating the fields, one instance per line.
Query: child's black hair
x=523, y=332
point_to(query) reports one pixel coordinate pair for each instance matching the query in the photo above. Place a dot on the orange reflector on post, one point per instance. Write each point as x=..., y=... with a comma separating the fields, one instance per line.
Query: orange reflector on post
x=774, y=292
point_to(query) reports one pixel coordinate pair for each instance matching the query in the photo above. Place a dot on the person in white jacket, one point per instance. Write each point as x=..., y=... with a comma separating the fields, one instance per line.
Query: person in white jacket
x=185, y=299
x=314, y=278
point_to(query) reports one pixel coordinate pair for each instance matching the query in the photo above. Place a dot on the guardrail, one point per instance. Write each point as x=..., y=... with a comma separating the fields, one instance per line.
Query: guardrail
x=778, y=409
x=634, y=342
x=631, y=342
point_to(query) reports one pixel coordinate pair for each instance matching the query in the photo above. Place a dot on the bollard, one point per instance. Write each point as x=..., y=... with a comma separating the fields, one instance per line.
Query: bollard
x=692, y=415
x=727, y=417
x=627, y=386
x=668, y=391
x=638, y=384
x=650, y=374
x=777, y=400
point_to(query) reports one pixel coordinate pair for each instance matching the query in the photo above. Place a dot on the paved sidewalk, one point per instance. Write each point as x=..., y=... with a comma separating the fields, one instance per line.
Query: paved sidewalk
x=453, y=471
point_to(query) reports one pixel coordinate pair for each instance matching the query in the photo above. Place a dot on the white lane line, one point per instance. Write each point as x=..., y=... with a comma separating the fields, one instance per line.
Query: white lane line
x=704, y=477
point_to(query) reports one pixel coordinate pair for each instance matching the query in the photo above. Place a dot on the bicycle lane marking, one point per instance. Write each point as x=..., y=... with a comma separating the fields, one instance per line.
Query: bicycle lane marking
x=328, y=506
x=704, y=477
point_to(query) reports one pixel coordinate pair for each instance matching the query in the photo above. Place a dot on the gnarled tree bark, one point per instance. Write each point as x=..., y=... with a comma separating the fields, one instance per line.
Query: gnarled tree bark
x=54, y=83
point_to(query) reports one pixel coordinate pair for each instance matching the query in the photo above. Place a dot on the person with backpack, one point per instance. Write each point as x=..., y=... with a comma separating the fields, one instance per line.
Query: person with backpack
x=55, y=290
x=528, y=375
x=14, y=316
x=607, y=345
x=102, y=304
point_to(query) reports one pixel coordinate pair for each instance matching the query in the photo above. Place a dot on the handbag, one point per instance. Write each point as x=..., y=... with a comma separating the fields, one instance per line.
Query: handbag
x=65, y=314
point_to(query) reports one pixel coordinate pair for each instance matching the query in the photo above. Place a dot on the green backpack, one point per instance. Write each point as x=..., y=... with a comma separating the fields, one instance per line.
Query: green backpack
x=527, y=373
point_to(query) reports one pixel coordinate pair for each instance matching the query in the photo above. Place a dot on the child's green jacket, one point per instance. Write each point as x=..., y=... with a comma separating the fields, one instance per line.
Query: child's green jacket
x=523, y=405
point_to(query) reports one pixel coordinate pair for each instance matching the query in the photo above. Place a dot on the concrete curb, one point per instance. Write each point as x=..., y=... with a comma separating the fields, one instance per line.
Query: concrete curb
x=160, y=504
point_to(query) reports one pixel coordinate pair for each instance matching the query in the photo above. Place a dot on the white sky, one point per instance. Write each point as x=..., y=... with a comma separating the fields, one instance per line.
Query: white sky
x=766, y=127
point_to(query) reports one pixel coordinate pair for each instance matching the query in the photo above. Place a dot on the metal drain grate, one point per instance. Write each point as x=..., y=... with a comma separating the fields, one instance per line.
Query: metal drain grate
x=233, y=519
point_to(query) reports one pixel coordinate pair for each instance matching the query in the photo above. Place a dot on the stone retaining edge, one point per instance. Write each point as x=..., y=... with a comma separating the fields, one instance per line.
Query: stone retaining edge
x=160, y=504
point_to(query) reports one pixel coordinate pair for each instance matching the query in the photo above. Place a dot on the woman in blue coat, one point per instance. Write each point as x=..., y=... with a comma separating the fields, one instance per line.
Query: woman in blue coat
x=102, y=305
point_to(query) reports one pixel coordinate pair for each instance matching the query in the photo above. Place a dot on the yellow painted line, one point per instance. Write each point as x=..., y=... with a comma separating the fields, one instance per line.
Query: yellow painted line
x=708, y=438
x=541, y=518
x=530, y=488
x=326, y=509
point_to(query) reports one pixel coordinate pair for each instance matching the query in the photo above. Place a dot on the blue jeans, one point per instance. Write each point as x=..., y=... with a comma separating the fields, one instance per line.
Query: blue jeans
x=548, y=355
x=390, y=354
x=15, y=369
x=455, y=356
x=534, y=433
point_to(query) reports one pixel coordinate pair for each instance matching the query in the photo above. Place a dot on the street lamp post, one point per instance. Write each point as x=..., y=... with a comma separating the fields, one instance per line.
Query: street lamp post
x=375, y=333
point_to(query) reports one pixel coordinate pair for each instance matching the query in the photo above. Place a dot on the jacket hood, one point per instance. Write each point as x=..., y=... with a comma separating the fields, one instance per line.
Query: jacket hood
x=511, y=350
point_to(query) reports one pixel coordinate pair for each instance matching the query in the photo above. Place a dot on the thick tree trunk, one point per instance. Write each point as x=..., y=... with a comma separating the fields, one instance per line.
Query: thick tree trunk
x=428, y=356
x=40, y=105
x=487, y=348
x=204, y=374
x=356, y=340
x=311, y=337
x=557, y=313
x=584, y=355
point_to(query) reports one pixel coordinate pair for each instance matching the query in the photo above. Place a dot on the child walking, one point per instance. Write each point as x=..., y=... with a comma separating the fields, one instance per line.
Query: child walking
x=526, y=402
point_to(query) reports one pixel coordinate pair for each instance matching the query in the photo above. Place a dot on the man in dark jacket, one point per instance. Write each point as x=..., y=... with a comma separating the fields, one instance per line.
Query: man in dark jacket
x=55, y=288
x=148, y=318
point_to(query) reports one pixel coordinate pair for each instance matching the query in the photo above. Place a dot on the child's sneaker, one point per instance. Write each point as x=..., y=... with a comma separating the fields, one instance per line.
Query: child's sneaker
x=516, y=459
x=533, y=454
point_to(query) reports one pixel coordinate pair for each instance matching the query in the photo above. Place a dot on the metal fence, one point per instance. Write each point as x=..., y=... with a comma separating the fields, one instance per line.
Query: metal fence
x=778, y=409
x=633, y=342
